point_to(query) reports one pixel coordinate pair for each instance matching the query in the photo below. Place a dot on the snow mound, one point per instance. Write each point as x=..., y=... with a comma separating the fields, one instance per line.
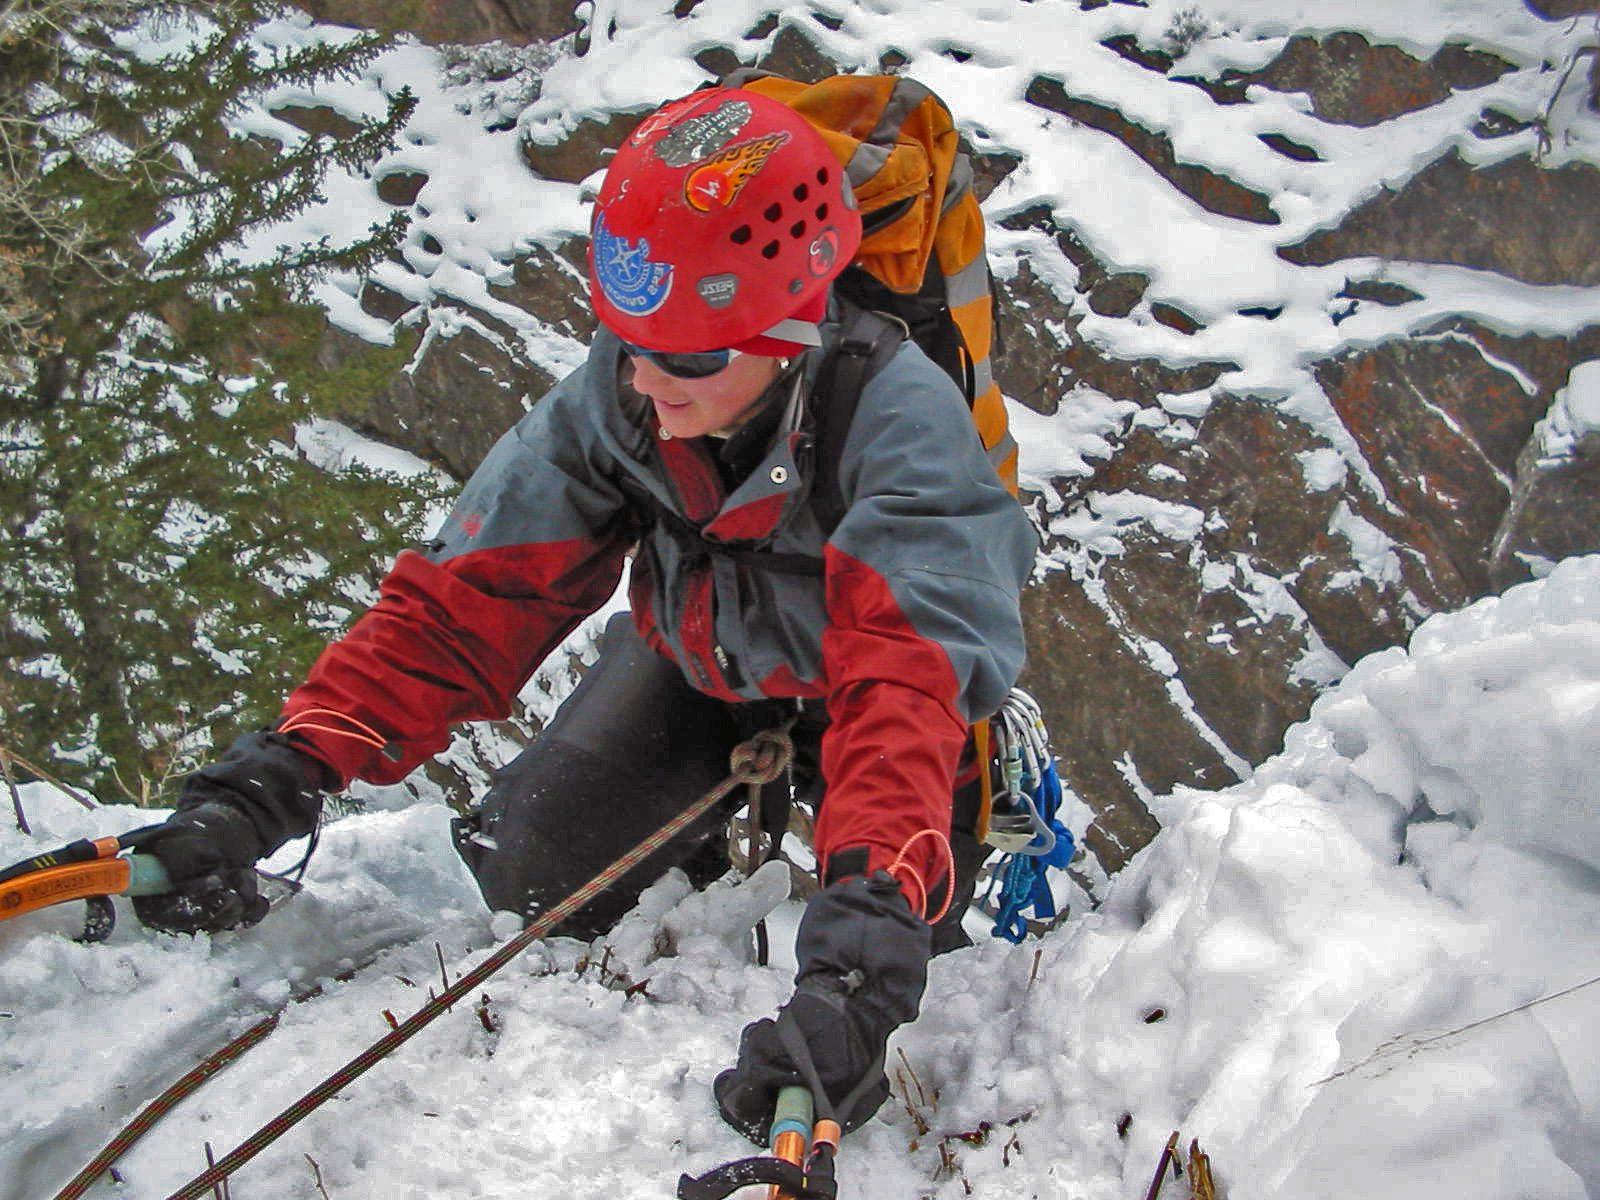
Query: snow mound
x=1283, y=972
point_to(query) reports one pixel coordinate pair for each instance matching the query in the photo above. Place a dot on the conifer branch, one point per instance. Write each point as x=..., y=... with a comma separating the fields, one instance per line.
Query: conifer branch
x=152, y=538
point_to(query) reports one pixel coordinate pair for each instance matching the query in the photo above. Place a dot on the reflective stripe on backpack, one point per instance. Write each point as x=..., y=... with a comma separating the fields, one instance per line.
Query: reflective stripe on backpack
x=923, y=229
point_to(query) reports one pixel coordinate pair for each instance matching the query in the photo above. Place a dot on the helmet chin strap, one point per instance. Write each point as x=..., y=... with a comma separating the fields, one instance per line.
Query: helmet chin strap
x=761, y=401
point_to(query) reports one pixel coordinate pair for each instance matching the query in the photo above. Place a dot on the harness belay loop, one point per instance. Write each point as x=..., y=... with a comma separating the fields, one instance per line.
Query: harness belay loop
x=1026, y=821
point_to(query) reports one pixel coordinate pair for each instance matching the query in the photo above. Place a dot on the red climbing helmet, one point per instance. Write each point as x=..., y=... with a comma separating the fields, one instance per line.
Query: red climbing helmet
x=721, y=223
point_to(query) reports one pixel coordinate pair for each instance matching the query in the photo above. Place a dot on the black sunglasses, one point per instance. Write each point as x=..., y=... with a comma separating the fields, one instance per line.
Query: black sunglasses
x=699, y=364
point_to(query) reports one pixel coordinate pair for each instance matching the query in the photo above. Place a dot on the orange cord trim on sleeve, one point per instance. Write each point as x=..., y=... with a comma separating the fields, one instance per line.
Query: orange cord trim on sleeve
x=900, y=864
x=365, y=733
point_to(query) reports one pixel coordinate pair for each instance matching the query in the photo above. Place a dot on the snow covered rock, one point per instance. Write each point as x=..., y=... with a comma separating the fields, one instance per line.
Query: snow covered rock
x=1230, y=240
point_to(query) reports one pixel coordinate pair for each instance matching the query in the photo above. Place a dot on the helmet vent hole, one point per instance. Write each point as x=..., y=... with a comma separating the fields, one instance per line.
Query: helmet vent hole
x=774, y=211
x=802, y=193
x=740, y=235
x=797, y=229
x=770, y=250
x=822, y=212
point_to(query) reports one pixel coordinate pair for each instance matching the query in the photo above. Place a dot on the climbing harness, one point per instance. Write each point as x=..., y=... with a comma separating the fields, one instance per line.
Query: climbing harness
x=1024, y=820
x=755, y=762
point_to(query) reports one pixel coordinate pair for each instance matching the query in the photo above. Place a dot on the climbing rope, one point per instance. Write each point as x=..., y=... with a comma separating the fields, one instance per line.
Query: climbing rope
x=189, y=1083
x=754, y=763
x=163, y=1104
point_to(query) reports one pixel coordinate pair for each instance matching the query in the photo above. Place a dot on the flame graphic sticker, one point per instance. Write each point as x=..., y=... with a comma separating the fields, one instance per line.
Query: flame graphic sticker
x=721, y=178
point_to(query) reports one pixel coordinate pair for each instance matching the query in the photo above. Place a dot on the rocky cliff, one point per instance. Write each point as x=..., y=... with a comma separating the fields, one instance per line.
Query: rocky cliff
x=1285, y=308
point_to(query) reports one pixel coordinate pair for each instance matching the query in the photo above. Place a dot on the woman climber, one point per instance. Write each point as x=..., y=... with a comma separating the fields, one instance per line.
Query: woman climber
x=885, y=622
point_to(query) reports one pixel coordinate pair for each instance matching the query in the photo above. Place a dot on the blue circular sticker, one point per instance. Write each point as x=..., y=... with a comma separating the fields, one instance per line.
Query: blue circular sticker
x=630, y=280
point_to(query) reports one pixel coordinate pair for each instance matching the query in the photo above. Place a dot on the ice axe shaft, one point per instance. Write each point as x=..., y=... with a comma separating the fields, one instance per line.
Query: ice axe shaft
x=799, y=1167
x=791, y=1132
x=80, y=870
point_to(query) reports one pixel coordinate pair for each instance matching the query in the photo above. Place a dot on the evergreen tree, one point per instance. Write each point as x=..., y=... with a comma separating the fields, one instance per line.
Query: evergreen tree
x=171, y=562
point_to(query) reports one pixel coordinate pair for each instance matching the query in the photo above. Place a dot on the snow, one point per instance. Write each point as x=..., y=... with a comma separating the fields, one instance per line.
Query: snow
x=1574, y=415
x=1330, y=974
x=480, y=207
x=1351, y=973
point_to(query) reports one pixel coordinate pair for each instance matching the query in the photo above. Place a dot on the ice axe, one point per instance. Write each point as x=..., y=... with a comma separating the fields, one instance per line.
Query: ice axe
x=800, y=1166
x=92, y=870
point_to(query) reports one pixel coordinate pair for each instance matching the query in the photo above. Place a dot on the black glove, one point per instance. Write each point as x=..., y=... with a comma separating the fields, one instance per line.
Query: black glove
x=224, y=899
x=863, y=965
x=260, y=794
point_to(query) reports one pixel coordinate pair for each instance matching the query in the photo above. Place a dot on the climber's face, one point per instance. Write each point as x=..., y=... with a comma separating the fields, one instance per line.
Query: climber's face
x=715, y=403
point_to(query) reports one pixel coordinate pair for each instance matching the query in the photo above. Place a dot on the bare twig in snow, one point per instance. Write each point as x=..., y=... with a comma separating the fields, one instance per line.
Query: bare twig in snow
x=220, y=1188
x=1542, y=124
x=922, y=1097
x=34, y=769
x=317, y=1172
x=444, y=975
x=16, y=796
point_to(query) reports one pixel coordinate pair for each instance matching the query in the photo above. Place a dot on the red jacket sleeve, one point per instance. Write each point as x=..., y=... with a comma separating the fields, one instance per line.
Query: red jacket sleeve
x=535, y=543
x=923, y=580
x=441, y=647
x=895, y=732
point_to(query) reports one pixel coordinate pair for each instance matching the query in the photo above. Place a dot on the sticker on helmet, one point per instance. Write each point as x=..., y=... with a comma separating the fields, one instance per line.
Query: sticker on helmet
x=630, y=280
x=662, y=118
x=699, y=137
x=824, y=252
x=718, y=290
x=722, y=177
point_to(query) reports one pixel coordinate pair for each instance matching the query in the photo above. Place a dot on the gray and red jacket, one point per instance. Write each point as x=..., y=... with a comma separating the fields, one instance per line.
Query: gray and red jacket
x=911, y=631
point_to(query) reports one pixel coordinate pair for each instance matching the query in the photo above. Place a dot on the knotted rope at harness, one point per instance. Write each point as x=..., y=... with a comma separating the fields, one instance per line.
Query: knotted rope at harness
x=755, y=762
x=760, y=759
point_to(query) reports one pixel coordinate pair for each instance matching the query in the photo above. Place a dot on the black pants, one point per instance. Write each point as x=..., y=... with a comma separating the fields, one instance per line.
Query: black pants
x=630, y=749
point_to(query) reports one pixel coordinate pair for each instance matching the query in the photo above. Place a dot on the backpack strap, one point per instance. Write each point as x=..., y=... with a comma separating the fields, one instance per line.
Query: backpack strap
x=869, y=340
x=692, y=541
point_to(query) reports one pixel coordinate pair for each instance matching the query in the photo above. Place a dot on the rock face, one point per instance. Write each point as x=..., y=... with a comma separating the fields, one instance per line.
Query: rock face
x=1552, y=509
x=1213, y=192
x=1561, y=10
x=474, y=384
x=1551, y=514
x=1352, y=82
x=1516, y=218
x=581, y=153
x=1218, y=560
